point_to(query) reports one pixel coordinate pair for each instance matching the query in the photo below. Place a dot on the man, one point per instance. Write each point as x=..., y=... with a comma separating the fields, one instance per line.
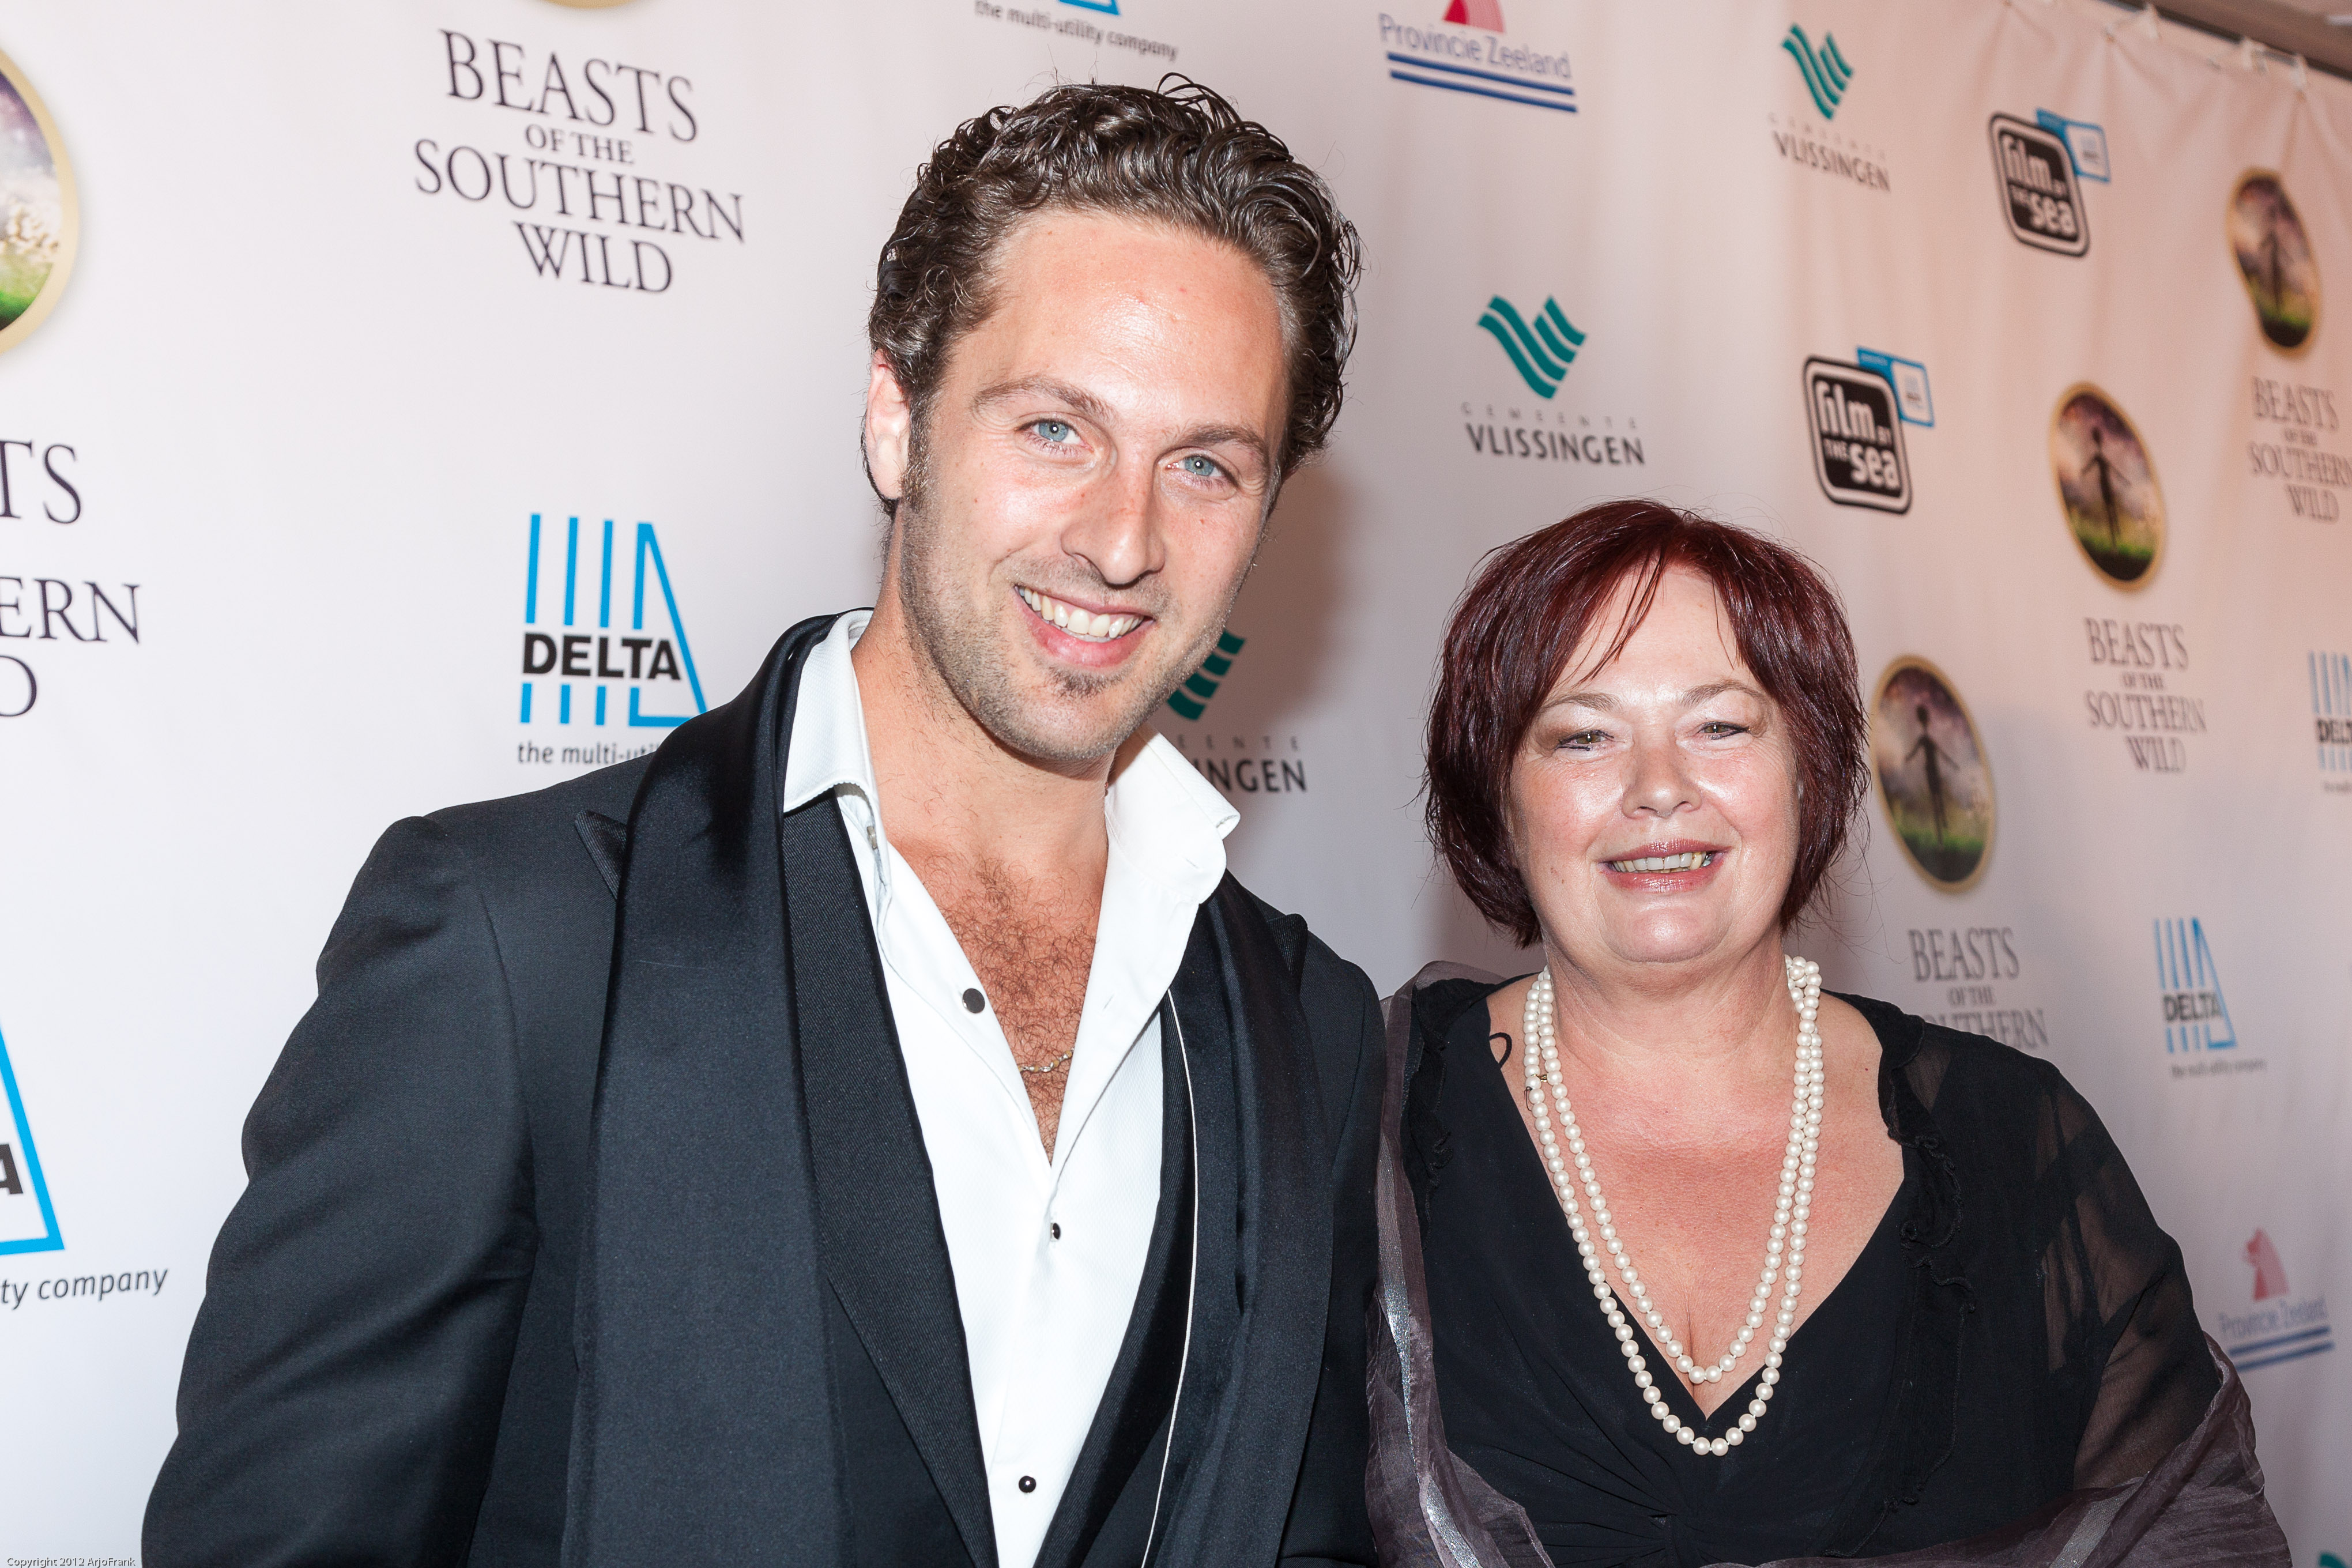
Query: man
x=873, y=1130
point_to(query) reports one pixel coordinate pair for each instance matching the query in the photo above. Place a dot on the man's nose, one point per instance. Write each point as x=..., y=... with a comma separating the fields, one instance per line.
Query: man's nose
x=1116, y=529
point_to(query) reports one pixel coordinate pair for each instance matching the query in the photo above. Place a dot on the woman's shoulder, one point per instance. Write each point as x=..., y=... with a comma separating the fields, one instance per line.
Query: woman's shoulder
x=1949, y=1068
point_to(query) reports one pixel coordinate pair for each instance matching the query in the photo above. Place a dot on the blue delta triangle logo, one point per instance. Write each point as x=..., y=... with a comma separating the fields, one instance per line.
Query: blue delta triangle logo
x=576, y=663
x=27, y=1221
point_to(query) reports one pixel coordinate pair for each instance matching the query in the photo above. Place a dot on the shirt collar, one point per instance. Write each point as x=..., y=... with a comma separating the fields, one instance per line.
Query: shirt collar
x=1164, y=820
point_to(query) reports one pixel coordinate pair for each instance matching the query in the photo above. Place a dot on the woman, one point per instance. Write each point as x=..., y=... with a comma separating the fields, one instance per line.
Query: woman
x=1686, y=1261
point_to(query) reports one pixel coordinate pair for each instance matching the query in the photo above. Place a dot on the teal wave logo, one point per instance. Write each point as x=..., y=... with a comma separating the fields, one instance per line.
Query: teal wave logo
x=1192, y=698
x=1541, y=353
x=1824, y=70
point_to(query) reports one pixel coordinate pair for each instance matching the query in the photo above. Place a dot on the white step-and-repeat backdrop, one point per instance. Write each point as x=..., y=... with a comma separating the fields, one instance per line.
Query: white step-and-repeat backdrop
x=423, y=400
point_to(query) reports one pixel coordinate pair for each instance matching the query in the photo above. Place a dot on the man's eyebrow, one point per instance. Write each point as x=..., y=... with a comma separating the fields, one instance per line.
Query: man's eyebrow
x=1077, y=398
x=1249, y=441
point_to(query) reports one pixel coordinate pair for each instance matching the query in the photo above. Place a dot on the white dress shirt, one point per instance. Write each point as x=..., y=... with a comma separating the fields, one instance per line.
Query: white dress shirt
x=1043, y=1316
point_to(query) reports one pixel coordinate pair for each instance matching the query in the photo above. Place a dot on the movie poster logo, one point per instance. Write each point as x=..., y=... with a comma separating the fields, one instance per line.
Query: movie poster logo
x=1932, y=776
x=40, y=221
x=2146, y=660
x=596, y=176
x=42, y=616
x=1857, y=429
x=2040, y=197
x=29, y=1222
x=2107, y=487
x=2274, y=255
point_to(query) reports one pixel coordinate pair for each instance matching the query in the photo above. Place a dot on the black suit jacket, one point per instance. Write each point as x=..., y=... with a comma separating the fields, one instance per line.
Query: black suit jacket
x=590, y=1221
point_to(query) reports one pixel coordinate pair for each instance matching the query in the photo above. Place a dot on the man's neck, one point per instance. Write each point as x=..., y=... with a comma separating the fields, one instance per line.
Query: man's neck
x=950, y=791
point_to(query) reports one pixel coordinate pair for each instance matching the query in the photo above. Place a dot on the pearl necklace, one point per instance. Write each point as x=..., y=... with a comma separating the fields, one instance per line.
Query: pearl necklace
x=1789, y=1217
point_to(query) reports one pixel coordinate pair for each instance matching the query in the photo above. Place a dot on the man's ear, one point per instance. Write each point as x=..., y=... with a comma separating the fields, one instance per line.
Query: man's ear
x=889, y=431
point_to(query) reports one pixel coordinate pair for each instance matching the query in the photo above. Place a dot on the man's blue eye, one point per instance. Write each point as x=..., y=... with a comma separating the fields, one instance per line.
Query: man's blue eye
x=1055, y=431
x=1201, y=467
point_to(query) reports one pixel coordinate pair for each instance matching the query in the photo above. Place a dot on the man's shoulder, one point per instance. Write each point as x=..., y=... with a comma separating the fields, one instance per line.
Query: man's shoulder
x=1310, y=960
x=512, y=845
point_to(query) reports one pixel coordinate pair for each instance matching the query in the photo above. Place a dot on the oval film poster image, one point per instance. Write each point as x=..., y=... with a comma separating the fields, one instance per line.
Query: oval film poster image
x=2107, y=485
x=2274, y=254
x=1933, y=778
x=38, y=220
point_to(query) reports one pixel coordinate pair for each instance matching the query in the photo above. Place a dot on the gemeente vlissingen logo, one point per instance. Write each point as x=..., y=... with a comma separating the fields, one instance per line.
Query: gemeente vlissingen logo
x=1857, y=436
x=40, y=222
x=1191, y=699
x=27, y=1221
x=576, y=660
x=2041, y=198
x=2272, y=250
x=2106, y=486
x=1824, y=70
x=1540, y=353
x=1934, y=778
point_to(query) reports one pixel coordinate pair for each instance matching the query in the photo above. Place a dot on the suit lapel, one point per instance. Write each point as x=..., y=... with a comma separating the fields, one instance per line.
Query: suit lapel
x=878, y=1229
x=1265, y=1283
x=1130, y=1423
x=699, y=1328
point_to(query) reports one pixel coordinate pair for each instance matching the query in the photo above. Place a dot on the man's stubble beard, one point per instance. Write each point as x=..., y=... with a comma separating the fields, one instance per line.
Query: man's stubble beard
x=982, y=681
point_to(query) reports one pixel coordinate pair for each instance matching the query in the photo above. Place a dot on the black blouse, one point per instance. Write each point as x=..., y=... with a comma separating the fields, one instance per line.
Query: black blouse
x=2017, y=1327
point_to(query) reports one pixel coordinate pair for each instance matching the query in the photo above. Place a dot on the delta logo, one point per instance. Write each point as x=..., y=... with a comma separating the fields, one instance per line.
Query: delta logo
x=2040, y=197
x=581, y=670
x=2331, y=718
x=1466, y=50
x=28, y=1222
x=1857, y=416
x=2281, y=1325
x=2195, y=1015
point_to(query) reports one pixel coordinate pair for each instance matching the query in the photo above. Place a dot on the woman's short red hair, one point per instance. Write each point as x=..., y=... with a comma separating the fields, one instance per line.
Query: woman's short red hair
x=1532, y=603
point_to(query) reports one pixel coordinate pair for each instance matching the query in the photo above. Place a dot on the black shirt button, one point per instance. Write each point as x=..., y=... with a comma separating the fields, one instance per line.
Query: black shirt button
x=1028, y=1483
x=1057, y=1230
x=973, y=1001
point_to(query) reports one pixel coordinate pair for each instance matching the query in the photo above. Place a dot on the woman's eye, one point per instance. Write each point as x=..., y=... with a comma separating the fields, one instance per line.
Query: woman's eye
x=1584, y=740
x=1721, y=728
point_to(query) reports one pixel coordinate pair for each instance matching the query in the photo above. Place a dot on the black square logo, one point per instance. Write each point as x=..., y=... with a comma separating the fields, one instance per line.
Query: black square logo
x=2039, y=193
x=1857, y=436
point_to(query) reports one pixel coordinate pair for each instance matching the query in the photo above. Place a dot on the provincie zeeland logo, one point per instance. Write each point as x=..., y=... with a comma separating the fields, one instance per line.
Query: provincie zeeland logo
x=1466, y=51
x=2040, y=197
x=29, y=1222
x=1191, y=699
x=582, y=670
x=1857, y=436
x=2282, y=1323
x=1824, y=70
x=1541, y=353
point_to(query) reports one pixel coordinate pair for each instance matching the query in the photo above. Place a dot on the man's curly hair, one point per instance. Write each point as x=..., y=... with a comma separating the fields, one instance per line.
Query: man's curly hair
x=1178, y=154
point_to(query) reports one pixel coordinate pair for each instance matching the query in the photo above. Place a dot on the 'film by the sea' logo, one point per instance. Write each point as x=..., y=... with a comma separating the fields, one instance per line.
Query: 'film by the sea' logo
x=2040, y=196
x=2281, y=1324
x=1857, y=429
x=29, y=1222
x=603, y=645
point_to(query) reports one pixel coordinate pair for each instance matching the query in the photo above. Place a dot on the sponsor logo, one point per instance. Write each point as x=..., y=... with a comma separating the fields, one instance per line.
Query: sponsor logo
x=1239, y=766
x=1933, y=778
x=590, y=180
x=2087, y=144
x=40, y=220
x=1192, y=698
x=1858, y=453
x=1967, y=963
x=2331, y=718
x=2198, y=1037
x=1044, y=18
x=1824, y=70
x=2040, y=196
x=2274, y=255
x=1466, y=51
x=2148, y=658
x=579, y=669
x=2282, y=1325
x=41, y=488
x=2293, y=418
x=29, y=1222
x=1914, y=404
x=2107, y=488
x=1542, y=352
